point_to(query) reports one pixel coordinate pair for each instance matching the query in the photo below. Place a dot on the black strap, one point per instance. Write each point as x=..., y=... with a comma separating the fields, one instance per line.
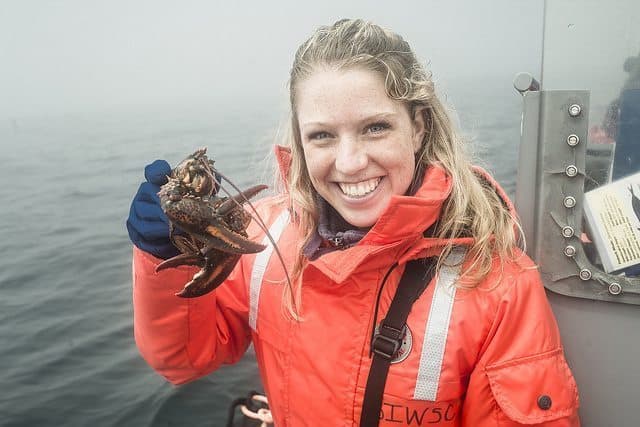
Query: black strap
x=387, y=341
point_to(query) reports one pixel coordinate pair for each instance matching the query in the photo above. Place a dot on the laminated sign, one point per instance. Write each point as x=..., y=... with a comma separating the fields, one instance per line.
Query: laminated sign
x=612, y=213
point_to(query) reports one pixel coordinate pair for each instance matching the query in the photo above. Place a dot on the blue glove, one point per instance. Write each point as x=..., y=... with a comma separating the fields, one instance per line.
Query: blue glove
x=147, y=224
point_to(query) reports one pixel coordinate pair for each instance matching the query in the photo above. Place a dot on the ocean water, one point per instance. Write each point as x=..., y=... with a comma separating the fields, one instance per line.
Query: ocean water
x=67, y=351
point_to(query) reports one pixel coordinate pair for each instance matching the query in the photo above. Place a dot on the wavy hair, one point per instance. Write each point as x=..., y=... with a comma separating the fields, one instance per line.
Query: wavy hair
x=473, y=209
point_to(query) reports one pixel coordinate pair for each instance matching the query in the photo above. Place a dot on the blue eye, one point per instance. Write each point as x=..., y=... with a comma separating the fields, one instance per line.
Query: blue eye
x=319, y=135
x=378, y=127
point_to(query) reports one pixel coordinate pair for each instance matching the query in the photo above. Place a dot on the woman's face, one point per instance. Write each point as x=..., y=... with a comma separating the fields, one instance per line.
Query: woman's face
x=359, y=144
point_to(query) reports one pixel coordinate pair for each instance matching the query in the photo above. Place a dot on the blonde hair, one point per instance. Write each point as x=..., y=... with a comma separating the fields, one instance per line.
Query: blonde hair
x=473, y=208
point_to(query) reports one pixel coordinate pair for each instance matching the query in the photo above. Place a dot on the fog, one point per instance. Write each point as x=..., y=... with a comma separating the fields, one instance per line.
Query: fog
x=70, y=56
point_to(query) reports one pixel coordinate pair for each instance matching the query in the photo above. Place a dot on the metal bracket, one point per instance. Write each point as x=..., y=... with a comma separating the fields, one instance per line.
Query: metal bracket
x=549, y=194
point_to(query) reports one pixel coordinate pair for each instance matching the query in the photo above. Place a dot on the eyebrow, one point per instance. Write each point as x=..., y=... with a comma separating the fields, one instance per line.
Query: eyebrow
x=373, y=117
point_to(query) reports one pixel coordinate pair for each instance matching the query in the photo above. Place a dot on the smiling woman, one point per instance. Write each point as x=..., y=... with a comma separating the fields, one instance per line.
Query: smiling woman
x=359, y=145
x=376, y=181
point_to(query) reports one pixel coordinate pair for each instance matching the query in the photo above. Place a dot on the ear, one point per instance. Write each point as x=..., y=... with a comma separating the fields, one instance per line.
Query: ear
x=419, y=128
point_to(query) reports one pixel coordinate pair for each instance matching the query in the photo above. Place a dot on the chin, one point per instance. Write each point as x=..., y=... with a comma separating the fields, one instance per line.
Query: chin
x=361, y=221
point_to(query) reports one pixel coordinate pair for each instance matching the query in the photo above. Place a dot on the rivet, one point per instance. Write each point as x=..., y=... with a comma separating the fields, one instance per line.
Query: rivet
x=524, y=82
x=571, y=170
x=585, y=274
x=573, y=140
x=569, y=202
x=615, y=288
x=575, y=110
x=544, y=402
x=567, y=231
x=569, y=251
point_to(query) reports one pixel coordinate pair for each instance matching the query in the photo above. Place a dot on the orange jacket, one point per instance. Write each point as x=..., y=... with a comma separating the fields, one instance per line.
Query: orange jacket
x=489, y=356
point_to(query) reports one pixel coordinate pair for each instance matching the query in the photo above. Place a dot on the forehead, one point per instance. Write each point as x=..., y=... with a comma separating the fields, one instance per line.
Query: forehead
x=330, y=94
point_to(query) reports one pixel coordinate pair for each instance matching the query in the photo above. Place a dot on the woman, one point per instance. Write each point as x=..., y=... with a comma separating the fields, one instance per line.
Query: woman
x=374, y=176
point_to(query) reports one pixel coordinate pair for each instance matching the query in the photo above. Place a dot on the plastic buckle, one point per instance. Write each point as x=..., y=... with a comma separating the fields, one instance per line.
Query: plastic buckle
x=387, y=341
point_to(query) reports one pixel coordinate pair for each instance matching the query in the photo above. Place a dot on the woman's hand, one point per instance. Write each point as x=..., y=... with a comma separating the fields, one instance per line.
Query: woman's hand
x=148, y=226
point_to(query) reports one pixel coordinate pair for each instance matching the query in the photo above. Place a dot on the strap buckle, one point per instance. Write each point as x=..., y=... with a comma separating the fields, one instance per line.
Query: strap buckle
x=388, y=340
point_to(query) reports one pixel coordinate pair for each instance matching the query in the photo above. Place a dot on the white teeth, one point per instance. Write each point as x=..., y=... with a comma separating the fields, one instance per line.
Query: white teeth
x=359, y=189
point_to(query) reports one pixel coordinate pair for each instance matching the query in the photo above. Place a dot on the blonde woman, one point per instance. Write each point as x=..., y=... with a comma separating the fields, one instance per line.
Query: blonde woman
x=374, y=175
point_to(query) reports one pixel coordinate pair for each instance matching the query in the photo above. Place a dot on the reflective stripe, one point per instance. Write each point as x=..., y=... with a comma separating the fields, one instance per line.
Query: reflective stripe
x=435, y=336
x=260, y=264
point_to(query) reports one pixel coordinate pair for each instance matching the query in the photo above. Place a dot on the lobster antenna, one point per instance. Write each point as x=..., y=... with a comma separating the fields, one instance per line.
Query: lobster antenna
x=259, y=221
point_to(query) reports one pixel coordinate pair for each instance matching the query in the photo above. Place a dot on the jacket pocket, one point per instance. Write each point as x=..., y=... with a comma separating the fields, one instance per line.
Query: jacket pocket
x=534, y=389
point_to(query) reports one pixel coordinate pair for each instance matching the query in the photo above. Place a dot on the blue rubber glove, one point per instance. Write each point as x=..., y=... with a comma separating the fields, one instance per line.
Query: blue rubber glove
x=147, y=224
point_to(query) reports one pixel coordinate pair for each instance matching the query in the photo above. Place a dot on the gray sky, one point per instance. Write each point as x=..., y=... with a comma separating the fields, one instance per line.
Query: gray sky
x=76, y=55
x=587, y=46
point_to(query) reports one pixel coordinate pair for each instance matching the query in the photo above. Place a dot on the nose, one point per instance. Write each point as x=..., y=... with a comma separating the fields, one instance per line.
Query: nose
x=351, y=156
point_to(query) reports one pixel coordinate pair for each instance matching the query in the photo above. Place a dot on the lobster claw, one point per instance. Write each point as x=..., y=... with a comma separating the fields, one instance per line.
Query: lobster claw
x=181, y=259
x=209, y=277
x=220, y=238
x=213, y=271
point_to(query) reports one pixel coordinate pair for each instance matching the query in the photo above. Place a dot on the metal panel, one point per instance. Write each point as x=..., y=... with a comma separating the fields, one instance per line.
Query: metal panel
x=601, y=345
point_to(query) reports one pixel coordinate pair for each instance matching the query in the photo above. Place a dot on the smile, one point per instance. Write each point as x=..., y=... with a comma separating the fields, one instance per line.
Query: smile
x=359, y=189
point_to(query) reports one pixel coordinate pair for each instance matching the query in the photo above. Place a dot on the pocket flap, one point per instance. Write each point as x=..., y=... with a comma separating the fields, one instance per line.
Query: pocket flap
x=534, y=389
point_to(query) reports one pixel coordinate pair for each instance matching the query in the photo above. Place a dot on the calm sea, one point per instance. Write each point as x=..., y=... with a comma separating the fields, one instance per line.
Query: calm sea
x=67, y=353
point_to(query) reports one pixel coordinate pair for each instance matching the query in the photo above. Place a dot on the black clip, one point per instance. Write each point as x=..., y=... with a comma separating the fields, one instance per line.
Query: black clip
x=387, y=340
